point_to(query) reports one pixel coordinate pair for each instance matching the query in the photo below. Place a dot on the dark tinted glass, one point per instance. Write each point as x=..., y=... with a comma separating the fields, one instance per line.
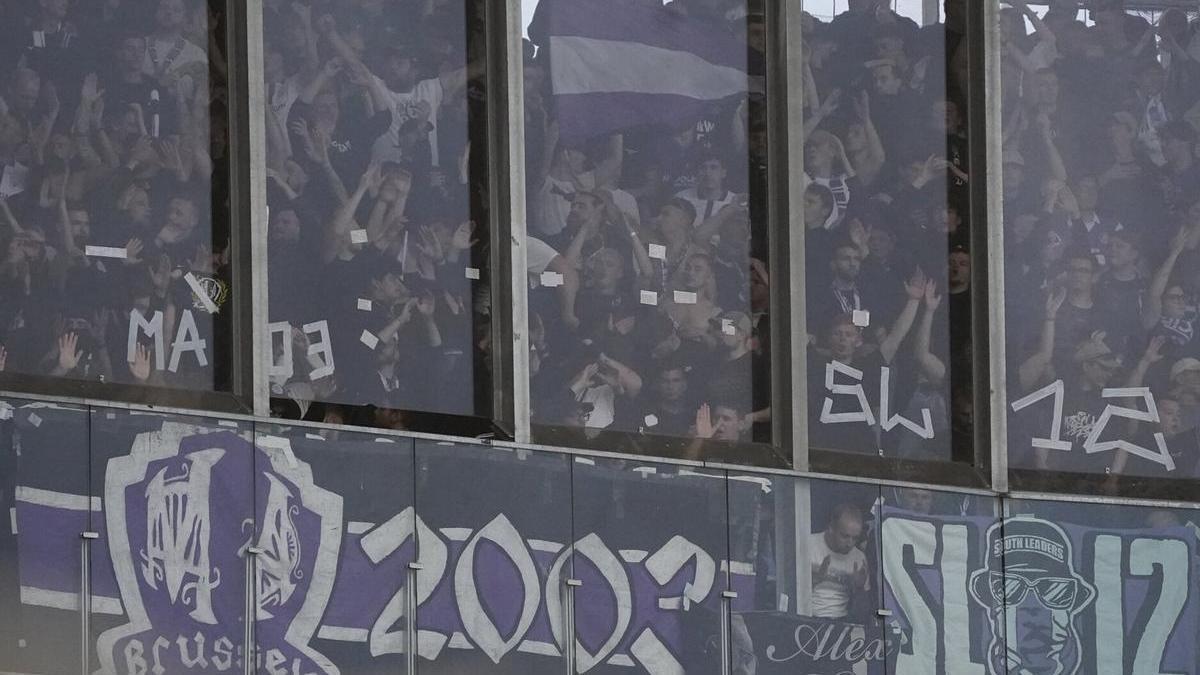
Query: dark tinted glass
x=887, y=216
x=1100, y=223
x=114, y=194
x=379, y=285
x=648, y=243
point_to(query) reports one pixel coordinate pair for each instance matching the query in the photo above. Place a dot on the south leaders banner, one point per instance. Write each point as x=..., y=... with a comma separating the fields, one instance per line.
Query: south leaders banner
x=335, y=522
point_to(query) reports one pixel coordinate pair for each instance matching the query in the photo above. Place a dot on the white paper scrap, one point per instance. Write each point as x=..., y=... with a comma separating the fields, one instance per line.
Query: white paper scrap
x=368, y=338
x=861, y=318
x=658, y=251
x=649, y=298
x=358, y=236
x=105, y=252
x=685, y=298
x=551, y=279
x=365, y=305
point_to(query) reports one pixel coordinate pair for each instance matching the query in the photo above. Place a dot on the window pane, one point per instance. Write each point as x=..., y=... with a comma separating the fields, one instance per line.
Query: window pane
x=114, y=196
x=648, y=245
x=176, y=513
x=1119, y=584
x=935, y=547
x=331, y=520
x=44, y=492
x=1101, y=178
x=888, y=218
x=651, y=550
x=814, y=580
x=377, y=239
x=496, y=559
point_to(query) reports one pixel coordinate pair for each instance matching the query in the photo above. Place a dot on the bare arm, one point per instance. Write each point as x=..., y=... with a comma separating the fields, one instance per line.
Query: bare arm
x=1038, y=364
x=932, y=366
x=1152, y=312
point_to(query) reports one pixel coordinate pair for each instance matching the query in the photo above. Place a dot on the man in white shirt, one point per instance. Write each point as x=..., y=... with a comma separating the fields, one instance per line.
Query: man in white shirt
x=567, y=173
x=839, y=567
x=409, y=98
x=169, y=55
x=709, y=195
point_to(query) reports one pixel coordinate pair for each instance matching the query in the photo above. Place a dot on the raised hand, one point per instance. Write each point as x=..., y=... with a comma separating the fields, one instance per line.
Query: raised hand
x=139, y=367
x=704, y=425
x=1154, y=349
x=463, y=238
x=68, y=353
x=1054, y=301
x=915, y=286
x=932, y=299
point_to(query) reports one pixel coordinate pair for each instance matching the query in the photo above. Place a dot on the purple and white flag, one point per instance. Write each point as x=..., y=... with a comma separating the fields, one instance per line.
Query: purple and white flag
x=621, y=63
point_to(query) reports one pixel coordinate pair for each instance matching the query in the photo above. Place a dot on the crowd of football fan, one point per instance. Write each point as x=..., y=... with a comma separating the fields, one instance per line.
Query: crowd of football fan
x=112, y=145
x=648, y=249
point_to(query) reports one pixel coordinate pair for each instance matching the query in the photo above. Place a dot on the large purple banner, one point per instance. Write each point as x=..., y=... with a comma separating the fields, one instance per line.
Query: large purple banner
x=333, y=524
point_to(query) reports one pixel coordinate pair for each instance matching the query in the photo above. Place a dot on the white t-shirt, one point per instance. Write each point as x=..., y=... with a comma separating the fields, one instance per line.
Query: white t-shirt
x=553, y=203
x=831, y=591
x=406, y=106
x=705, y=208
x=168, y=56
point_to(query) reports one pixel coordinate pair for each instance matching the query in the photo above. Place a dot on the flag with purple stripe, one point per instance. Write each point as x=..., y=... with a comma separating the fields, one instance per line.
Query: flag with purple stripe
x=615, y=64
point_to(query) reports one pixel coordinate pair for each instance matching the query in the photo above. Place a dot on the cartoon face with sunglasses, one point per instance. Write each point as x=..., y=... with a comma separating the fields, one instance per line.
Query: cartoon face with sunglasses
x=1033, y=595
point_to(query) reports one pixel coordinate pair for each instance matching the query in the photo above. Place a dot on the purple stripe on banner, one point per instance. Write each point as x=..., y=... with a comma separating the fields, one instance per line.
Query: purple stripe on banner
x=583, y=116
x=104, y=579
x=48, y=554
x=362, y=589
x=636, y=21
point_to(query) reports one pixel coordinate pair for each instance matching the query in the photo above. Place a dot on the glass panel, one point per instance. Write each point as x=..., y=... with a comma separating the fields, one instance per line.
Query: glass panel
x=936, y=546
x=114, y=194
x=1100, y=204
x=177, y=516
x=335, y=523
x=651, y=545
x=806, y=570
x=888, y=218
x=45, y=501
x=496, y=558
x=1100, y=588
x=648, y=240
x=377, y=242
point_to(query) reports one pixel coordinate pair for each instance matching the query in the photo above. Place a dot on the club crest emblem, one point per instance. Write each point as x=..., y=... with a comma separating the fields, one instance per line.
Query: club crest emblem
x=180, y=562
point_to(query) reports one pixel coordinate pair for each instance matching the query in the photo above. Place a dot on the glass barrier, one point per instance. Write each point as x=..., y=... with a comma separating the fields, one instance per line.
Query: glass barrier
x=175, y=518
x=115, y=213
x=495, y=559
x=651, y=553
x=807, y=572
x=44, y=476
x=1101, y=218
x=888, y=219
x=936, y=547
x=336, y=530
x=648, y=244
x=647, y=567
x=1100, y=588
x=379, y=281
